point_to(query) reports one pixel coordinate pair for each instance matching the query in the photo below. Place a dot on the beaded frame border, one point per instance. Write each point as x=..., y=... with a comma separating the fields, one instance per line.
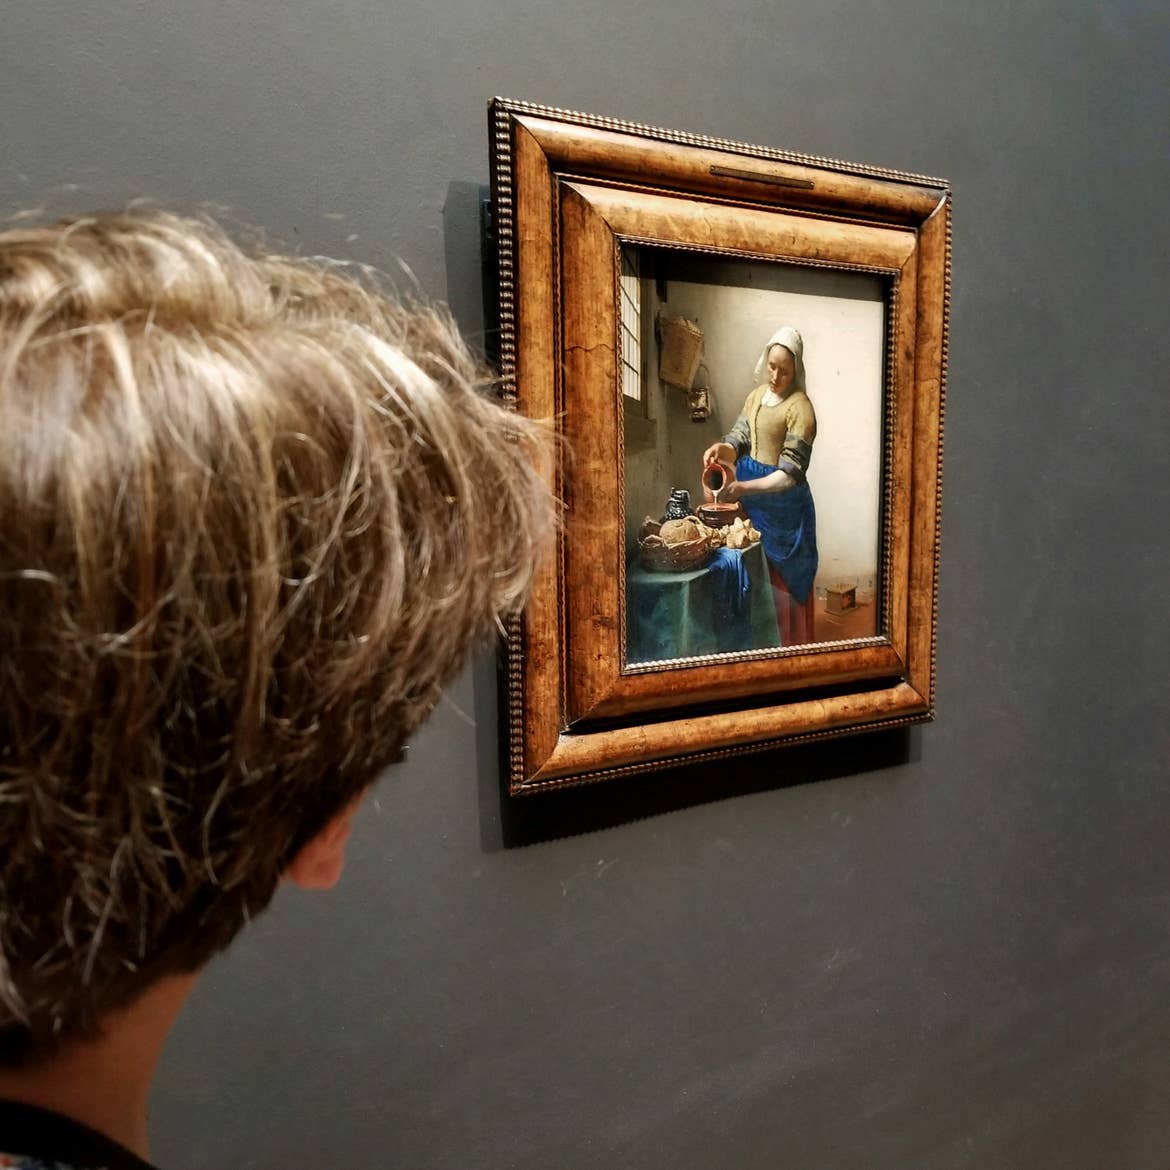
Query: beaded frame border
x=501, y=112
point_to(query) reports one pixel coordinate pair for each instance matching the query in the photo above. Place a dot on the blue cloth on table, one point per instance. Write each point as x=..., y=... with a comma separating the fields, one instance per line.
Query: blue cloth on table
x=730, y=586
x=787, y=522
x=730, y=608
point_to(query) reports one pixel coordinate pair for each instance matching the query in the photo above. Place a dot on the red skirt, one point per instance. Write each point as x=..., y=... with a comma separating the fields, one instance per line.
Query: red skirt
x=795, y=618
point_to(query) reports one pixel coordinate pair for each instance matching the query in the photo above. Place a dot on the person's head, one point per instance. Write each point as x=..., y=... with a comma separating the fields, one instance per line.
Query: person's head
x=781, y=368
x=253, y=515
x=781, y=363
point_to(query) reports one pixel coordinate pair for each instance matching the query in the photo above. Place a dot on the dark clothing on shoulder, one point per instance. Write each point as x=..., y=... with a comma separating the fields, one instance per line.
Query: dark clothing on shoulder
x=38, y=1139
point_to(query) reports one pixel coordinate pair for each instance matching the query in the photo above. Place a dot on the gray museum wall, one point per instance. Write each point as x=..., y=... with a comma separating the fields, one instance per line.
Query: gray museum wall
x=949, y=948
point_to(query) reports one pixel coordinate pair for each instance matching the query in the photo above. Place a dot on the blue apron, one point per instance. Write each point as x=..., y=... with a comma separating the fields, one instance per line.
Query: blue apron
x=787, y=522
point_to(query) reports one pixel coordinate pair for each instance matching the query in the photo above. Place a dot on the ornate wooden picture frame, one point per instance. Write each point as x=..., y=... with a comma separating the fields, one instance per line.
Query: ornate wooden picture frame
x=630, y=258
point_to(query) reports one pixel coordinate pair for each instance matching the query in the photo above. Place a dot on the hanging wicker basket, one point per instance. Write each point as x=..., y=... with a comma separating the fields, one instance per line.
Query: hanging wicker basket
x=680, y=350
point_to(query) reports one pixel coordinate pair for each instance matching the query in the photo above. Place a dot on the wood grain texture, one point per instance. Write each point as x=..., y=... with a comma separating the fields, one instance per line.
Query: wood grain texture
x=587, y=150
x=569, y=196
x=597, y=686
x=591, y=420
x=748, y=231
x=929, y=378
x=643, y=743
x=898, y=470
x=693, y=681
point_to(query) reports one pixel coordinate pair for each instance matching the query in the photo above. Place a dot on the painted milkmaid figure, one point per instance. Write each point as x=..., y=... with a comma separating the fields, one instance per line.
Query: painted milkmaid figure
x=770, y=446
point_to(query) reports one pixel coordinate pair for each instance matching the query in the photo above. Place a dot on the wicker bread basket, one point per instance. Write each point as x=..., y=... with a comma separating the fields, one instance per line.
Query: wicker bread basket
x=659, y=557
x=674, y=558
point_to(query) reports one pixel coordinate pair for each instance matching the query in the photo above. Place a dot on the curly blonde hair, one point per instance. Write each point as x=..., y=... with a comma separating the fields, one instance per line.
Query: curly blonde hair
x=254, y=512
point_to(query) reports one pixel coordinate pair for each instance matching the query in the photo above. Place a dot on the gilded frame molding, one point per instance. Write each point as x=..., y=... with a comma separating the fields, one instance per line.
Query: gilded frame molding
x=567, y=189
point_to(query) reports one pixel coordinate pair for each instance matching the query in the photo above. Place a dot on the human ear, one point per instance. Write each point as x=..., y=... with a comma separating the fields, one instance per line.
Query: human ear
x=319, y=863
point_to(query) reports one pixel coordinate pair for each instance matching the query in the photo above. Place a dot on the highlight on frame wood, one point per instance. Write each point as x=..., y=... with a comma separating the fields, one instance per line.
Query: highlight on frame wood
x=745, y=351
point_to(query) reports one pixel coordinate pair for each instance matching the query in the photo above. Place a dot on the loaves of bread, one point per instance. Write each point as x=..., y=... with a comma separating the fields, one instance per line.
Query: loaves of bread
x=682, y=531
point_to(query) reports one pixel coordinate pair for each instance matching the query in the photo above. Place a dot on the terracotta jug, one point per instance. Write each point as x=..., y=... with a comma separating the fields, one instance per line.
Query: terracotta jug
x=716, y=476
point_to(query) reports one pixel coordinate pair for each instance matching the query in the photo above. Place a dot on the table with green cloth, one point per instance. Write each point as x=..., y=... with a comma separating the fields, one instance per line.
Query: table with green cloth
x=679, y=615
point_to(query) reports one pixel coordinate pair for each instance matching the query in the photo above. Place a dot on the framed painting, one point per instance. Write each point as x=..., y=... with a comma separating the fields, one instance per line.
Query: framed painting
x=744, y=350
